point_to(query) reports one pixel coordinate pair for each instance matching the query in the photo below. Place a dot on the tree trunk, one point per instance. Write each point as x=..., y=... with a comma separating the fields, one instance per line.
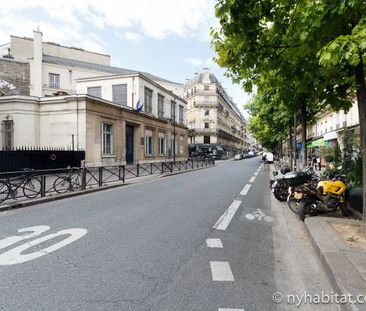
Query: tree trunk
x=291, y=150
x=303, y=134
x=361, y=101
x=295, y=145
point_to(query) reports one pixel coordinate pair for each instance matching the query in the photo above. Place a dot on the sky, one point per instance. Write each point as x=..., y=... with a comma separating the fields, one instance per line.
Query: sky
x=168, y=38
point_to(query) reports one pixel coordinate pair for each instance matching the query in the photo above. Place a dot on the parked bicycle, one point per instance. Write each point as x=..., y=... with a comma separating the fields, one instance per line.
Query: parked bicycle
x=280, y=164
x=30, y=185
x=70, y=182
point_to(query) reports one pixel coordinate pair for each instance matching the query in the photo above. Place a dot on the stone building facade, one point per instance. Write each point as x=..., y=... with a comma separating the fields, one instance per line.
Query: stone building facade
x=212, y=116
x=109, y=133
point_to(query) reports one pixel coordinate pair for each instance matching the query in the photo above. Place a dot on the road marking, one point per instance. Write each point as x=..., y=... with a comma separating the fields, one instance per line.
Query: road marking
x=221, y=271
x=259, y=215
x=252, y=179
x=226, y=309
x=15, y=256
x=214, y=243
x=245, y=190
x=256, y=173
x=227, y=216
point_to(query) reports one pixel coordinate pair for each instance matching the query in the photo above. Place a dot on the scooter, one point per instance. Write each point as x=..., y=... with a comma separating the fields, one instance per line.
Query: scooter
x=328, y=196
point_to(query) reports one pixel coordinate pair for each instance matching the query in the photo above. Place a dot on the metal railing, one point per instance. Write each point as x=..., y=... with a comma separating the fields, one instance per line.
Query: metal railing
x=41, y=183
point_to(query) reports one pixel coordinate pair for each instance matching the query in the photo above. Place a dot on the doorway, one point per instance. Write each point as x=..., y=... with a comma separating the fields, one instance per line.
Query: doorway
x=129, y=144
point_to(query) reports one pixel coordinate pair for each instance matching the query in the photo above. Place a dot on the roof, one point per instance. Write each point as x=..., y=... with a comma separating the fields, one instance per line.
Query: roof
x=104, y=68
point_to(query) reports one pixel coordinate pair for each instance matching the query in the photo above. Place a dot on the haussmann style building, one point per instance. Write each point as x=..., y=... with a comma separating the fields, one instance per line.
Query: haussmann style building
x=213, y=118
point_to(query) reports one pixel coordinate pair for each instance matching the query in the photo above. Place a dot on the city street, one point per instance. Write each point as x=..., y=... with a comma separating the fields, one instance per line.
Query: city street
x=212, y=239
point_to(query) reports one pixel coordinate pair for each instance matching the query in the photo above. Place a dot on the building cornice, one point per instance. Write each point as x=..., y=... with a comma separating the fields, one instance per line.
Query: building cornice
x=137, y=74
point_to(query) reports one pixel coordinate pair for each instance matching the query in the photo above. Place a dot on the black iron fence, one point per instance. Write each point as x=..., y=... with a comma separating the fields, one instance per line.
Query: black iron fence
x=32, y=183
x=39, y=158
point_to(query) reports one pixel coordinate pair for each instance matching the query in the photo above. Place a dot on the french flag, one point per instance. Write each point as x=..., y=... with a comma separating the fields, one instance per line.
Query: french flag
x=139, y=106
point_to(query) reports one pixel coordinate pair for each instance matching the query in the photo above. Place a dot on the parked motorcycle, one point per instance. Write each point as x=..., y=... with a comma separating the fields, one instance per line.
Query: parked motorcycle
x=280, y=187
x=327, y=196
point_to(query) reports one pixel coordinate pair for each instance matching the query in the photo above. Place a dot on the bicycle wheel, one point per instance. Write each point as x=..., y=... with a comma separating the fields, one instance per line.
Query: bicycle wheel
x=293, y=204
x=32, y=188
x=4, y=191
x=62, y=184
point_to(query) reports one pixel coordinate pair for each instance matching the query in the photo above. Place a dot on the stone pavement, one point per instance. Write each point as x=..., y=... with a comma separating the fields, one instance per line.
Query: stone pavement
x=344, y=265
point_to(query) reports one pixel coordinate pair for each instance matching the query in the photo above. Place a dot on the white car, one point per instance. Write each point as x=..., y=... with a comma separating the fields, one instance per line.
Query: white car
x=238, y=156
x=269, y=156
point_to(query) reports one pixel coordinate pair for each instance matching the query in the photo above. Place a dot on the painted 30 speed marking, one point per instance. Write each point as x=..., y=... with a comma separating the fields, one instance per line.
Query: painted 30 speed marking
x=15, y=256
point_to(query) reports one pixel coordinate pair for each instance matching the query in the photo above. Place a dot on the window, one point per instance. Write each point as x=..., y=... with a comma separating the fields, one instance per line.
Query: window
x=206, y=139
x=148, y=100
x=7, y=131
x=207, y=125
x=95, y=91
x=207, y=112
x=206, y=99
x=160, y=106
x=161, y=143
x=107, y=138
x=206, y=87
x=180, y=114
x=149, y=143
x=54, y=80
x=119, y=94
x=172, y=110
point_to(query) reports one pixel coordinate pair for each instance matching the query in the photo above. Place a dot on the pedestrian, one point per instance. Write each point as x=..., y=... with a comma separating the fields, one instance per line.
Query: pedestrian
x=318, y=161
x=310, y=160
x=313, y=157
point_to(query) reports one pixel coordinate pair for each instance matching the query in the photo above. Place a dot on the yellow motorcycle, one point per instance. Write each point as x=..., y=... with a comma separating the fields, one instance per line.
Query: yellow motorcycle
x=328, y=196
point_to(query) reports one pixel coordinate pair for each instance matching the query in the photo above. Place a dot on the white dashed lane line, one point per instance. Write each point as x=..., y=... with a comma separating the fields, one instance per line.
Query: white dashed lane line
x=256, y=173
x=226, y=309
x=252, y=179
x=228, y=215
x=221, y=271
x=245, y=190
x=214, y=243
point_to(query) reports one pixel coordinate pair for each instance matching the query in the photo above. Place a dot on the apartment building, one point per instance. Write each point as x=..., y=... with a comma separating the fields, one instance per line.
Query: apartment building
x=212, y=116
x=67, y=97
x=54, y=68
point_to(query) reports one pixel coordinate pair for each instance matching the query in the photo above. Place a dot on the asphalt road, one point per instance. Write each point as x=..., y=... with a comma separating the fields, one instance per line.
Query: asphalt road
x=145, y=247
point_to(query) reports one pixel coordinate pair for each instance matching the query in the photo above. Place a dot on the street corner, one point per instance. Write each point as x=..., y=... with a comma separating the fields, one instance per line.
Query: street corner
x=258, y=215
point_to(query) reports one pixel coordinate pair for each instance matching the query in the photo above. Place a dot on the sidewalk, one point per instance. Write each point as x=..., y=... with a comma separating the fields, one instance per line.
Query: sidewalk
x=24, y=202
x=297, y=268
x=345, y=265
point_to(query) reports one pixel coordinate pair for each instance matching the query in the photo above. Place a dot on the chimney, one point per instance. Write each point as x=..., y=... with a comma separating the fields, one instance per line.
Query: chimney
x=36, y=71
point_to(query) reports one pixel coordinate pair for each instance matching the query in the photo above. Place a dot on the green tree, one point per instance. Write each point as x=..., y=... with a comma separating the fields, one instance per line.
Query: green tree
x=317, y=45
x=337, y=156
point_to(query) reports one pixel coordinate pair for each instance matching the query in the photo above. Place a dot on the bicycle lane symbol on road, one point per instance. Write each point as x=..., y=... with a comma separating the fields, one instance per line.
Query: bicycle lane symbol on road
x=15, y=256
x=259, y=215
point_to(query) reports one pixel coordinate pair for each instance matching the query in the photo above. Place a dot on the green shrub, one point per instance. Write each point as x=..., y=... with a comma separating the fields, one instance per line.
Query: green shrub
x=357, y=171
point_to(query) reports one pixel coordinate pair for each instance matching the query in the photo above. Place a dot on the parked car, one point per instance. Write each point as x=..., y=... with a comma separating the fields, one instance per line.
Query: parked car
x=238, y=156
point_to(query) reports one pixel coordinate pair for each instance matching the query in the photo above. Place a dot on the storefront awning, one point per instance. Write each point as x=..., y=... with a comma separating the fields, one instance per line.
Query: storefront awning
x=316, y=143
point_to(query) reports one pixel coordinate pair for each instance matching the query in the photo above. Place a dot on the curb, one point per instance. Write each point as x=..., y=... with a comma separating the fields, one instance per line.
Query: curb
x=51, y=198
x=341, y=273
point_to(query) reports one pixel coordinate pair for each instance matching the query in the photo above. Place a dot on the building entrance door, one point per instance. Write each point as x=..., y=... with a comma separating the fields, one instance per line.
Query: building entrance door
x=129, y=144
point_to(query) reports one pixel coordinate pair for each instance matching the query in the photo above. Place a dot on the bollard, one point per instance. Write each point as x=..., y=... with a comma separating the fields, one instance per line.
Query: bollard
x=43, y=186
x=137, y=170
x=83, y=178
x=100, y=179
